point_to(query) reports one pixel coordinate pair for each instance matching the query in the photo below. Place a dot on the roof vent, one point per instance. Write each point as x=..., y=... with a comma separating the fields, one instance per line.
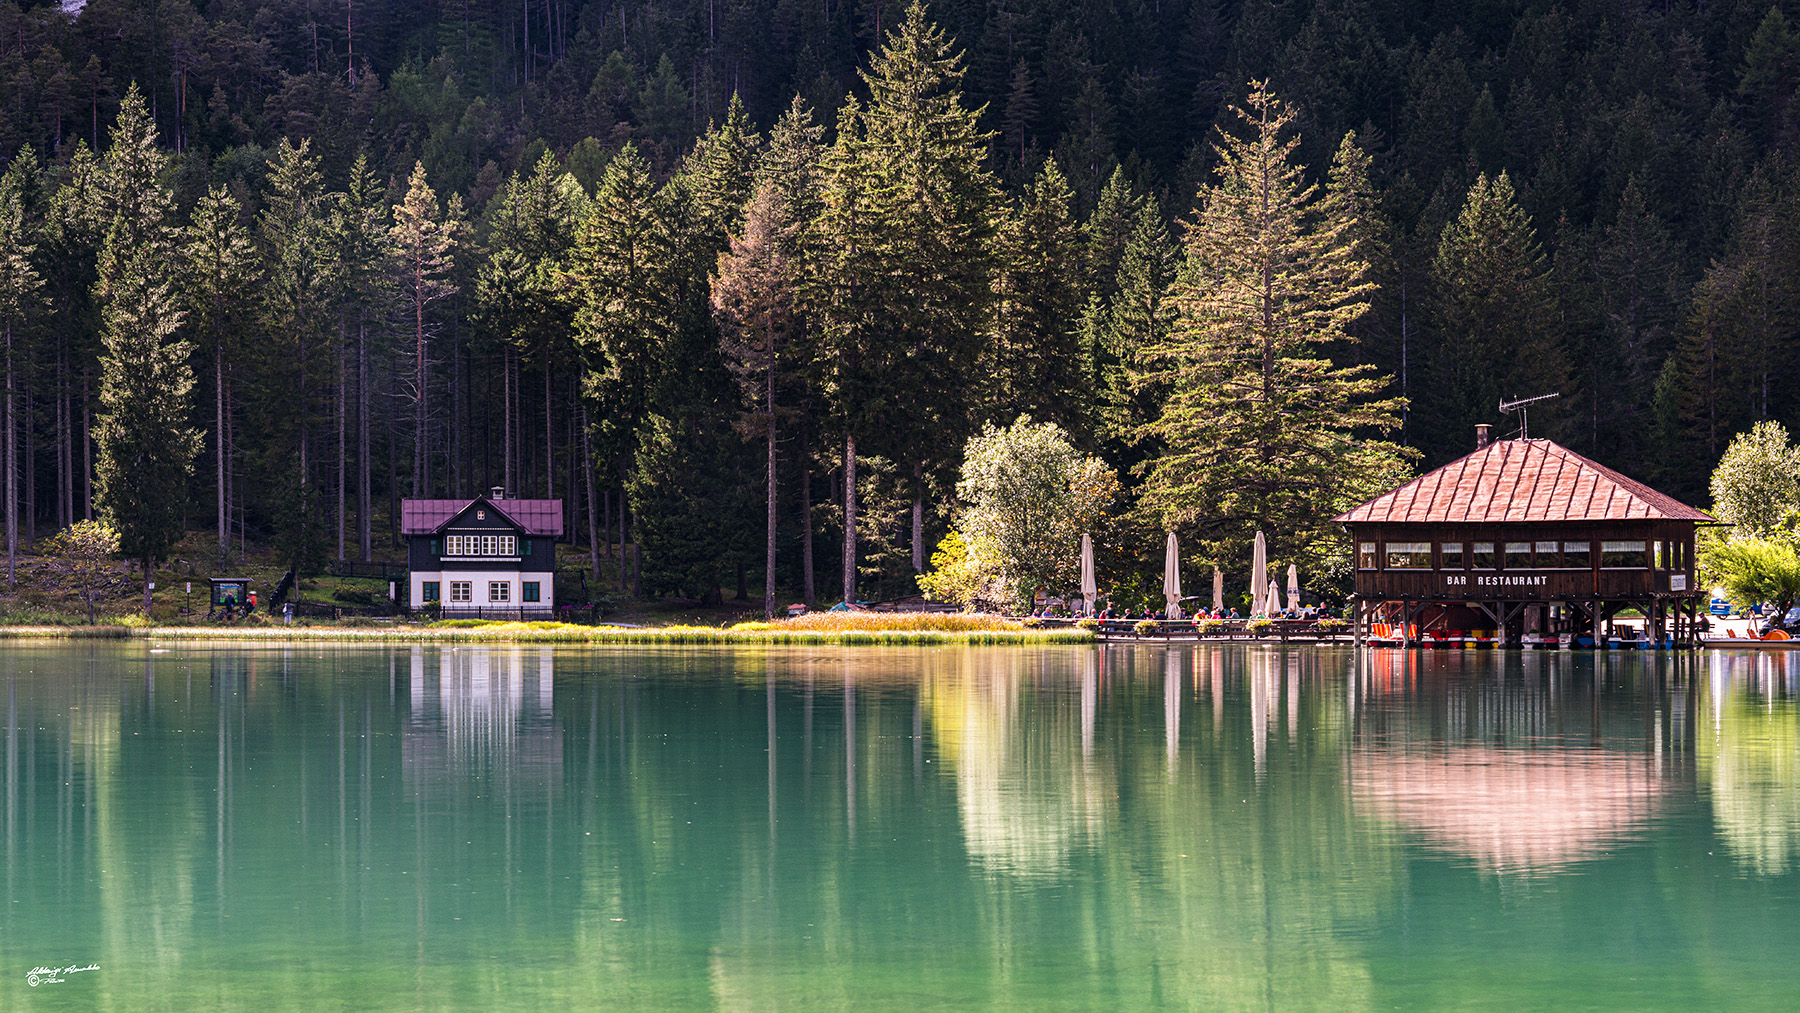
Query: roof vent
x=1481, y=436
x=497, y=492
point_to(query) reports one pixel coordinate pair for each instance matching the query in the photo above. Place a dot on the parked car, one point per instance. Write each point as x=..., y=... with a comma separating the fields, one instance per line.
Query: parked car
x=1720, y=607
x=1790, y=621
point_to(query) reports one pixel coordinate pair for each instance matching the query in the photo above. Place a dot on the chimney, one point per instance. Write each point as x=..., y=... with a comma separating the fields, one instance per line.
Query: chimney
x=1481, y=436
x=499, y=491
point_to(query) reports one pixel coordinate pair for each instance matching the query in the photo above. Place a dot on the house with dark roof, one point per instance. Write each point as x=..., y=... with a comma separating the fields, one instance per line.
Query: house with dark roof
x=1529, y=542
x=487, y=555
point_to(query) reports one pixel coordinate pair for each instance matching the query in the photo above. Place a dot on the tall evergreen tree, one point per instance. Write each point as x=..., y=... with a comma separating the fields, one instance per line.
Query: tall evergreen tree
x=294, y=368
x=902, y=270
x=1040, y=369
x=19, y=286
x=423, y=249
x=146, y=447
x=1495, y=319
x=753, y=295
x=1261, y=430
x=219, y=263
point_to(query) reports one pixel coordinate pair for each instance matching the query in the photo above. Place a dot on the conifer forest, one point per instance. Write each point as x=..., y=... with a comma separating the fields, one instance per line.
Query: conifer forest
x=729, y=277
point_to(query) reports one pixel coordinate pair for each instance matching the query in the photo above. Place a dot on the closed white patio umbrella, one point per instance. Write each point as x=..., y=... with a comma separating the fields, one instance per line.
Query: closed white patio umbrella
x=1293, y=588
x=1218, y=590
x=1274, y=603
x=1089, y=588
x=1172, y=577
x=1259, y=572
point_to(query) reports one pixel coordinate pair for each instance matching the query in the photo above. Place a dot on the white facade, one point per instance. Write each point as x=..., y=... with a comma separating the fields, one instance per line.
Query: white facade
x=486, y=589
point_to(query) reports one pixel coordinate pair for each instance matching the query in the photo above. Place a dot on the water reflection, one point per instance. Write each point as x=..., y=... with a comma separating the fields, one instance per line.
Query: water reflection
x=1517, y=766
x=1134, y=826
x=1749, y=756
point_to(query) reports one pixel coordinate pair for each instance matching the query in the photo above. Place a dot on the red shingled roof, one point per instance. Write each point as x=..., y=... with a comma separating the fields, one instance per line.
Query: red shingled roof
x=533, y=516
x=1512, y=481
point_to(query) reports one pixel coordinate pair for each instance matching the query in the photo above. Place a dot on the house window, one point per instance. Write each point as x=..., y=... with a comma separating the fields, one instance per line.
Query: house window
x=528, y=546
x=428, y=591
x=528, y=591
x=434, y=547
x=1578, y=555
x=1365, y=556
x=452, y=545
x=459, y=590
x=1518, y=555
x=507, y=543
x=1482, y=555
x=1453, y=555
x=487, y=545
x=1546, y=555
x=1622, y=555
x=1409, y=555
x=500, y=591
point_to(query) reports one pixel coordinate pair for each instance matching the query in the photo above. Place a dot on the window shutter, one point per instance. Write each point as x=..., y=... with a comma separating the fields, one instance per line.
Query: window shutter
x=528, y=546
x=434, y=548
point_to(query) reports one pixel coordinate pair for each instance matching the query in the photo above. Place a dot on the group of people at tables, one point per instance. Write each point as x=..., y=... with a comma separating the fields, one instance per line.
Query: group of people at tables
x=1131, y=614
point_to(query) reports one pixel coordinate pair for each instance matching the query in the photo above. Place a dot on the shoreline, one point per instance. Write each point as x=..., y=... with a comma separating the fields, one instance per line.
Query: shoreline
x=520, y=633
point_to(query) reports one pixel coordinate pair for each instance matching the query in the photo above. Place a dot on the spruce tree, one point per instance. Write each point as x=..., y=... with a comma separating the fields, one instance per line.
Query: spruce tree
x=423, y=246
x=1495, y=318
x=359, y=226
x=1139, y=317
x=219, y=264
x=294, y=367
x=19, y=287
x=753, y=296
x=146, y=447
x=1259, y=428
x=903, y=260
x=1040, y=369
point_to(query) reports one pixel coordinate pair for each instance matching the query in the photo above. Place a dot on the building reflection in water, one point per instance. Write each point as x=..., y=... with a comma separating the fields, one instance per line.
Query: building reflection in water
x=1525, y=770
x=1749, y=756
x=482, y=712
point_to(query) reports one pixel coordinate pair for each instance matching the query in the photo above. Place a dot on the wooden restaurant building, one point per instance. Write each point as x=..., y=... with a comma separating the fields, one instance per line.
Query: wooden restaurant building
x=1524, y=542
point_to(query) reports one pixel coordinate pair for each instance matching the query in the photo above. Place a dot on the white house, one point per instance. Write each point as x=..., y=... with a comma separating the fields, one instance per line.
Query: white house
x=488, y=553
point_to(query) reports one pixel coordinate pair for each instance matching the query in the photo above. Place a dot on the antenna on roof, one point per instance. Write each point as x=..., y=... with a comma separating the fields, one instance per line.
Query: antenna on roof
x=1520, y=407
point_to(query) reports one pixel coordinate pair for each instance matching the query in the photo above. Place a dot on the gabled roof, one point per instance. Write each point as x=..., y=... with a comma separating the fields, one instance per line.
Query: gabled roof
x=531, y=516
x=1512, y=481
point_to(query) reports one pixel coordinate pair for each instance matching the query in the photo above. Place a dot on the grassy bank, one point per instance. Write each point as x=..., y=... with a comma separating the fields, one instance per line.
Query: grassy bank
x=890, y=629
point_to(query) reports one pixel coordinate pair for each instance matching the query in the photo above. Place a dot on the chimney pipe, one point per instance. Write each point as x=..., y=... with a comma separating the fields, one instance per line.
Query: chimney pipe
x=1481, y=436
x=499, y=491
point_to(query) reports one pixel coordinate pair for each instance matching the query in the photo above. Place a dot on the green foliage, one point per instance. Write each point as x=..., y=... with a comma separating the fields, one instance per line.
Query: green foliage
x=1261, y=429
x=1756, y=486
x=1028, y=496
x=958, y=575
x=146, y=450
x=1495, y=320
x=1752, y=570
x=86, y=548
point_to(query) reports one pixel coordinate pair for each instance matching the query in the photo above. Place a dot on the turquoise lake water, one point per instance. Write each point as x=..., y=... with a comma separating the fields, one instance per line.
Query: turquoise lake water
x=494, y=827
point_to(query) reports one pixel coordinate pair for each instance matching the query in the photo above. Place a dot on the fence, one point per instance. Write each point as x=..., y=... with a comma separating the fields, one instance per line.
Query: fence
x=380, y=569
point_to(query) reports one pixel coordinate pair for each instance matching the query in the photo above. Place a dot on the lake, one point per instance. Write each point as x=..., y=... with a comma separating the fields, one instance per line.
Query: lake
x=1196, y=827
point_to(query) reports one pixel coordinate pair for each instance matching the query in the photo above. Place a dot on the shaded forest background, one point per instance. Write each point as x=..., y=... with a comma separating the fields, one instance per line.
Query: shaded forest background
x=1652, y=276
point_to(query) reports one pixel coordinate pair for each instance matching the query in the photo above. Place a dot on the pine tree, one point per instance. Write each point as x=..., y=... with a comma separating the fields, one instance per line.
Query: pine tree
x=359, y=226
x=146, y=448
x=295, y=367
x=753, y=296
x=19, y=286
x=219, y=264
x=1040, y=369
x=1259, y=429
x=423, y=248
x=627, y=316
x=902, y=263
x=1139, y=317
x=1494, y=314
